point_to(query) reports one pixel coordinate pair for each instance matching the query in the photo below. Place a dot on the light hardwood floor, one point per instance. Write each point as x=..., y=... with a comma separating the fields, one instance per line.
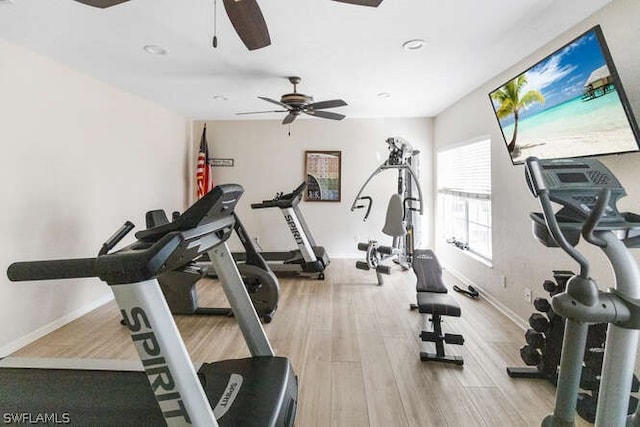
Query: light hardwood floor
x=355, y=348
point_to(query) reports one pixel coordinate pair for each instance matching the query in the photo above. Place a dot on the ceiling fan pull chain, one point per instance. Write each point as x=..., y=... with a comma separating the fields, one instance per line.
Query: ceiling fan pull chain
x=215, y=19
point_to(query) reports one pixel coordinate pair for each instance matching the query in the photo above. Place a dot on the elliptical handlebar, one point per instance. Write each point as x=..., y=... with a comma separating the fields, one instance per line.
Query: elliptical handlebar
x=596, y=215
x=539, y=189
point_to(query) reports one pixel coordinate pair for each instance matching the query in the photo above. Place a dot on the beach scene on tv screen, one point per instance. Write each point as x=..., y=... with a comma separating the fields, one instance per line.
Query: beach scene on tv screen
x=565, y=106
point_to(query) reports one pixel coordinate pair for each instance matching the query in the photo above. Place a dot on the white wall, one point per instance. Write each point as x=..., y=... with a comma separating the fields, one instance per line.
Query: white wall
x=268, y=160
x=516, y=254
x=79, y=158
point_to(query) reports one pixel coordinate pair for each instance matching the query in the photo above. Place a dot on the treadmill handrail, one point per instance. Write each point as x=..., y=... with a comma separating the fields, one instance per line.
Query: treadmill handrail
x=202, y=227
x=283, y=201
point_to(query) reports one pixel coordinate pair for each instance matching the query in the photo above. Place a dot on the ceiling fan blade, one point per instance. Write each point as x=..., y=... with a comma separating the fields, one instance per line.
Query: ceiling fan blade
x=326, y=104
x=103, y=4
x=290, y=117
x=273, y=101
x=260, y=112
x=371, y=3
x=247, y=19
x=325, y=115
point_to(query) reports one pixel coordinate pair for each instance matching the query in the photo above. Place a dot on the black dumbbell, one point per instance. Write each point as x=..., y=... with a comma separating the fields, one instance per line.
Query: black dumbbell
x=539, y=322
x=589, y=380
x=562, y=277
x=597, y=335
x=530, y=355
x=593, y=359
x=586, y=407
x=535, y=339
x=633, y=405
x=550, y=286
x=542, y=305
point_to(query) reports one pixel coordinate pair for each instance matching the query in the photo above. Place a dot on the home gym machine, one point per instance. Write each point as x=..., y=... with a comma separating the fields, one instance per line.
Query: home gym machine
x=164, y=388
x=401, y=220
x=309, y=259
x=588, y=193
x=179, y=286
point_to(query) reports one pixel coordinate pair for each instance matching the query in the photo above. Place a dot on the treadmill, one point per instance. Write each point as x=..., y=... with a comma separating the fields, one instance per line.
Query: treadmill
x=309, y=258
x=163, y=387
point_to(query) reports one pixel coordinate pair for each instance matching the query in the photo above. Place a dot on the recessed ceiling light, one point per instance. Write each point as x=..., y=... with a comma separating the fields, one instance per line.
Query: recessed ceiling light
x=220, y=97
x=414, y=44
x=384, y=95
x=155, y=49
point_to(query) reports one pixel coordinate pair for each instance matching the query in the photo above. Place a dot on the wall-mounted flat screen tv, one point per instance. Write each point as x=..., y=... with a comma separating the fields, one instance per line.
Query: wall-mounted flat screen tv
x=570, y=104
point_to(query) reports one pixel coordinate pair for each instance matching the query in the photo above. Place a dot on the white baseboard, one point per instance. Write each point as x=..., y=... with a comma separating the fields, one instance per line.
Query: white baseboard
x=39, y=333
x=519, y=321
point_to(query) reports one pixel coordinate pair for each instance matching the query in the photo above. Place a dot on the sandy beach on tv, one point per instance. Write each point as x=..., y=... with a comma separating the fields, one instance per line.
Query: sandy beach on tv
x=573, y=129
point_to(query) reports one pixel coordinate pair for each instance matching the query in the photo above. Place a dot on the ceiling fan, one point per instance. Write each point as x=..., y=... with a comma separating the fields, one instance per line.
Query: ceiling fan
x=245, y=15
x=296, y=103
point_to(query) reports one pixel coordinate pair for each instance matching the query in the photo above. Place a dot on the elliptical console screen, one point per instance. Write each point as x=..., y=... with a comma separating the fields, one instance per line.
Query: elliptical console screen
x=576, y=184
x=572, y=177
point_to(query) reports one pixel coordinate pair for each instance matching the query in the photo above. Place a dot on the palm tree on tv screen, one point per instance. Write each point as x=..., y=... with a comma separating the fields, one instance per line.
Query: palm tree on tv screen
x=508, y=96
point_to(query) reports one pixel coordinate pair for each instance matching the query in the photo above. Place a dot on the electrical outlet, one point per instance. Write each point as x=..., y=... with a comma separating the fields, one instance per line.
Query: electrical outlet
x=527, y=294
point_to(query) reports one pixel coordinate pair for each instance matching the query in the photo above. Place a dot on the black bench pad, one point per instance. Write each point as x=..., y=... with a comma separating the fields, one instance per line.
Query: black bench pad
x=438, y=303
x=428, y=271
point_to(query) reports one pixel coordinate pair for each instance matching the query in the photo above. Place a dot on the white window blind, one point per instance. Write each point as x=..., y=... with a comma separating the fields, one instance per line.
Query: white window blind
x=464, y=197
x=466, y=168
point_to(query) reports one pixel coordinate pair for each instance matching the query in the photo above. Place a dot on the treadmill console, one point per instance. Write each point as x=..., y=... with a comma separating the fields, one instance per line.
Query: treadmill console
x=576, y=185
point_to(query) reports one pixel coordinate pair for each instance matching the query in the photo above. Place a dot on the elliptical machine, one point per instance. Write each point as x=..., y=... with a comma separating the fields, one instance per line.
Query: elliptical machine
x=588, y=193
x=179, y=286
x=401, y=222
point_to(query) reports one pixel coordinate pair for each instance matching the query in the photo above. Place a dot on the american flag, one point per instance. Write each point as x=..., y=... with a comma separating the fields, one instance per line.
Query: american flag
x=204, y=182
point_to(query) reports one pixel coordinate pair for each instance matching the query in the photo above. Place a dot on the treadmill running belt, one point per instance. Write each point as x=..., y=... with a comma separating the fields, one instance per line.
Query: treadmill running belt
x=267, y=395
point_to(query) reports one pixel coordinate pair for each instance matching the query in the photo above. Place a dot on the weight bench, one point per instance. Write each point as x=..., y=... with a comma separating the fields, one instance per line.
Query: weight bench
x=432, y=299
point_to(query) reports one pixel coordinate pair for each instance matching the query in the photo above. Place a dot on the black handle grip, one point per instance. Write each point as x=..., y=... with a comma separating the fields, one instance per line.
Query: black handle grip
x=117, y=236
x=54, y=269
x=596, y=215
x=368, y=206
x=387, y=250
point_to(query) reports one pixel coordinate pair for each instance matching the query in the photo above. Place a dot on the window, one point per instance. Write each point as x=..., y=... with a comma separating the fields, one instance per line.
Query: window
x=464, y=196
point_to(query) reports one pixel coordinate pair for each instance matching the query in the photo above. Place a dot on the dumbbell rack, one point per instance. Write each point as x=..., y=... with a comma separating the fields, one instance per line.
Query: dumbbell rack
x=544, y=338
x=542, y=352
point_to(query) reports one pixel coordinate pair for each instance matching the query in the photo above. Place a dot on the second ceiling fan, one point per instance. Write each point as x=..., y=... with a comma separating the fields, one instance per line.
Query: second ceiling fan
x=296, y=103
x=245, y=15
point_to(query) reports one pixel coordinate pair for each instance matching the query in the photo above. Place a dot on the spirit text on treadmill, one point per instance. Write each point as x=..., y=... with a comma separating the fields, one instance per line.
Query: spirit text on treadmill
x=293, y=228
x=36, y=418
x=162, y=382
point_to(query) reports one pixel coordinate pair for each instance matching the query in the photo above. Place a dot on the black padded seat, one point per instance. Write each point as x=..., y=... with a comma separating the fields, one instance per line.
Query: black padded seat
x=438, y=303
x=432, y=299
x=428, y=272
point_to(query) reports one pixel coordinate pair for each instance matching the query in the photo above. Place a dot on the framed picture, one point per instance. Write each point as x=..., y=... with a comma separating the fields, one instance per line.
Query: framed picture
x=322, y=174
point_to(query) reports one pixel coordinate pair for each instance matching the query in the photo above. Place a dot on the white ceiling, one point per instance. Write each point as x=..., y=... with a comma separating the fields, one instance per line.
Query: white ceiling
x=339, y=50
